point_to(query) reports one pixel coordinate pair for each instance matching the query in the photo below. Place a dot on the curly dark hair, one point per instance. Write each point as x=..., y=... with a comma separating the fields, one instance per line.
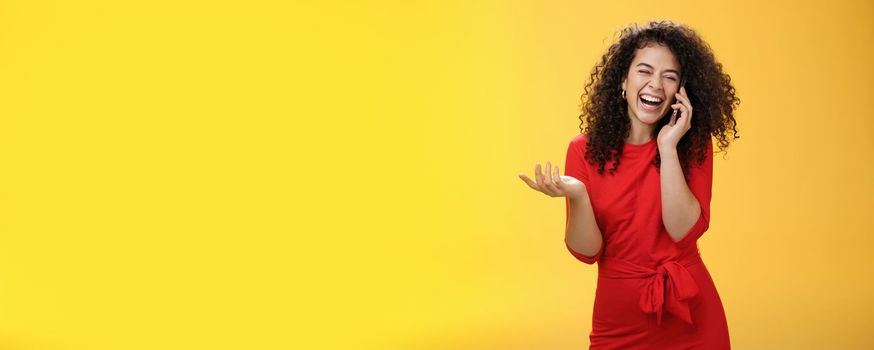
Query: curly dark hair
x=604, y=112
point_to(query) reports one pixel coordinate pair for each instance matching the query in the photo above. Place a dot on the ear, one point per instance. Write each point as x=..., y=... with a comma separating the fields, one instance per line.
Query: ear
x=623, y=83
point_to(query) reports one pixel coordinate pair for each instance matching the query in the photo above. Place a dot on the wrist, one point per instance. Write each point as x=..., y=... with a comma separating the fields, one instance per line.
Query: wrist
x=579, y=198
x=667, y=150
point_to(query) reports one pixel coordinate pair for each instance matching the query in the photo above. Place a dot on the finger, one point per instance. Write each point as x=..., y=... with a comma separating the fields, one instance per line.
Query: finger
x=684, y=99
x=681, y=95
x=682, y=110
x=680, y=102
x=676, y=112
x=557, y=178
x=542, y=181
x=688, y=115
x=549, y=179
x=537, y=176
x=559, y=184
x=552, y=189
x=528, y=181
x=549, y=184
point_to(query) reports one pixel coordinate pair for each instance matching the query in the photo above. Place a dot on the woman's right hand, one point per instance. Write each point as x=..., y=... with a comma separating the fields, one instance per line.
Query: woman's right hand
x=555, y=185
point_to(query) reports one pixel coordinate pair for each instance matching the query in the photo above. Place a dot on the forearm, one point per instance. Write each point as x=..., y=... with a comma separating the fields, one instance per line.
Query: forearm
x=582, y=233
x=680, y=208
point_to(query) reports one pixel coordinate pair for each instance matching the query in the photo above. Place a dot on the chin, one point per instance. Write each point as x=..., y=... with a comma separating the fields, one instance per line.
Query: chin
x=649, y=118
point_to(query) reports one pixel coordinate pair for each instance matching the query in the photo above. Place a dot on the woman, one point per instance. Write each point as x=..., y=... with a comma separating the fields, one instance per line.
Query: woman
x=640, y=217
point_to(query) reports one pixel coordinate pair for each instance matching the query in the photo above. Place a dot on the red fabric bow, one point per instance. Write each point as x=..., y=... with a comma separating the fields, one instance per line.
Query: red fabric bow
x=668, y=286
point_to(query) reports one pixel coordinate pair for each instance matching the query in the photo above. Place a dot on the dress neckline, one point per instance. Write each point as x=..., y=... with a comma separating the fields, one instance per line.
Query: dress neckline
x=631, y=145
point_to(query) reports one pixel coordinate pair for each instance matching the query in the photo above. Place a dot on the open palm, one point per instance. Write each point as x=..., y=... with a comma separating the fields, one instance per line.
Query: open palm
x=555, y=184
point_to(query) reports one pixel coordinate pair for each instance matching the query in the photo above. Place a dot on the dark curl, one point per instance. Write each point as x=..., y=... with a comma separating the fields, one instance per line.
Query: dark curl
x=605, y=111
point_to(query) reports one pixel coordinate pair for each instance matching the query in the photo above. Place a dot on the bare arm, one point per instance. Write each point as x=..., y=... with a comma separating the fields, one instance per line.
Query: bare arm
x=680, y=208
x=582, y=235
x=581, y=232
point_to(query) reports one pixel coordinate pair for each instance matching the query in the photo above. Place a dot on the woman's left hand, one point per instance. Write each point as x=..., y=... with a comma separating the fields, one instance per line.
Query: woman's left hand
x=671, y=133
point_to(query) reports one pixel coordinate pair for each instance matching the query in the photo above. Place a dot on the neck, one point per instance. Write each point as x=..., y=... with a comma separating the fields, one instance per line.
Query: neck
x=640, y=132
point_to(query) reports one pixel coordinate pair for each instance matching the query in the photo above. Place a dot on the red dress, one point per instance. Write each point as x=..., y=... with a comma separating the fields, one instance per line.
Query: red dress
x=652, y=293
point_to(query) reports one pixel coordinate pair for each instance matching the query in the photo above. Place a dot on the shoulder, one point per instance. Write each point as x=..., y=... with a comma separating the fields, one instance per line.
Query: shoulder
x=577, y=146
x=579, y=141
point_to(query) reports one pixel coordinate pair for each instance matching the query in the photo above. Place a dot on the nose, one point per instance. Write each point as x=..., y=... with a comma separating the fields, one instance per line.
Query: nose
x=655, y=84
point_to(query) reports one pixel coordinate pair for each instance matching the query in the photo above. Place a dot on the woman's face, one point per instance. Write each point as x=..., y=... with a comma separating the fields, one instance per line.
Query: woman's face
x=652, y=81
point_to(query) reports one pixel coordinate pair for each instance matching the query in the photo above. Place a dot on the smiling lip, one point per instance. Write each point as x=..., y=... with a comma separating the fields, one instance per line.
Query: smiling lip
x=647, y=107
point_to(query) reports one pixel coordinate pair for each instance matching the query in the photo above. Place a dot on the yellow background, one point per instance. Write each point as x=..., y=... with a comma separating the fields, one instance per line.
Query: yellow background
x=265, y=175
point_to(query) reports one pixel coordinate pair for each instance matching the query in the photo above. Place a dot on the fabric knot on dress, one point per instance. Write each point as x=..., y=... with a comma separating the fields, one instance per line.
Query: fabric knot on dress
x=669, y=286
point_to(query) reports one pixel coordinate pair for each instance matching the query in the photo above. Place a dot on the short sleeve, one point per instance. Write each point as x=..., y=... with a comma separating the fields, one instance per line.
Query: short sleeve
x=575, y=164
x=700, y=181
x=586, y=259
x=576, y=167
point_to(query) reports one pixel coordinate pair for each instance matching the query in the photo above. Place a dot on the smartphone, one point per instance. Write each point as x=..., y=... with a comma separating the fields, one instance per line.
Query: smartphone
x=672, y=111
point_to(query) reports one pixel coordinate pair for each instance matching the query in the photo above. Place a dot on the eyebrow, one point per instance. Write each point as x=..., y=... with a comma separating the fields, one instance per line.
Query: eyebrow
x=651, y=67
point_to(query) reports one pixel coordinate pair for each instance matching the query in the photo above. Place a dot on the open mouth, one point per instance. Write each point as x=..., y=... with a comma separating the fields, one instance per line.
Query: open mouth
x=650, y=103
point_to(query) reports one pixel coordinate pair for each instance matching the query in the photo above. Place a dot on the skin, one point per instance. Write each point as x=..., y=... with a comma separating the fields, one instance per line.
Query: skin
x=655, y=71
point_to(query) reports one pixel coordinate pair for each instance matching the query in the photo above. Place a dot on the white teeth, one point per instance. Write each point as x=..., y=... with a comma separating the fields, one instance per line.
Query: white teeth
x=651, y=99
